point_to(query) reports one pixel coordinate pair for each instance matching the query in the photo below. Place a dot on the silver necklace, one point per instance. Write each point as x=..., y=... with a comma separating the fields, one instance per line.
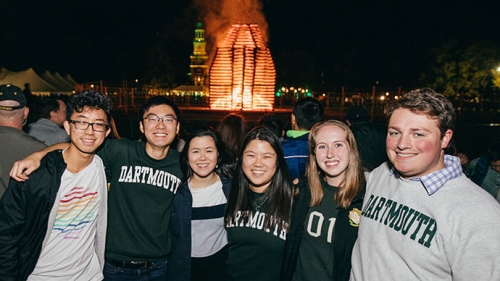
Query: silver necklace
x=257, y=206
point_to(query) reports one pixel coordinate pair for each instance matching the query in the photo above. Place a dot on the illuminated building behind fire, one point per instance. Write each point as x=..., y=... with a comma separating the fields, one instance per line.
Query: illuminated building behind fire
x=199, y=58
x=198, y=91
x=242, y=74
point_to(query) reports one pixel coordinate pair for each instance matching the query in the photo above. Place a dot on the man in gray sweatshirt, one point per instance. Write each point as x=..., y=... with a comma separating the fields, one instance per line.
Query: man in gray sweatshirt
x=422, y=218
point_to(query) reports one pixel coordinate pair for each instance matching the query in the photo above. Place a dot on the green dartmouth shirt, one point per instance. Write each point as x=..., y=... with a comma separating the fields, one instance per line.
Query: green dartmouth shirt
x=254, y=253
x=140, y=200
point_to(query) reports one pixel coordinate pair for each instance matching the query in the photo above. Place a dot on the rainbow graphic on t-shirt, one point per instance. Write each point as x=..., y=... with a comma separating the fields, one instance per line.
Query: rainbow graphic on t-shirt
x=77, y=210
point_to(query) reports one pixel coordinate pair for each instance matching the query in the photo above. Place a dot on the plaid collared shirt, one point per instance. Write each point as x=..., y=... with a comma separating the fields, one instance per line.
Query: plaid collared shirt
x=434, y=181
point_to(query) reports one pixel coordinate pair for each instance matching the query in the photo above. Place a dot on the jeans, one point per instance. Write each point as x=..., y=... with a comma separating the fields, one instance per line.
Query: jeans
x=157, y=272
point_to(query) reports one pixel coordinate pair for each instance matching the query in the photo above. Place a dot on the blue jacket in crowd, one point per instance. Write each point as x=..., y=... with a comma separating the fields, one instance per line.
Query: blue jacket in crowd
x=296, y=152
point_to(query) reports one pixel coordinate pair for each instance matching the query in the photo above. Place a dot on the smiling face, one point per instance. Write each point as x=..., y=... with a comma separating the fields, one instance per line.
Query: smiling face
x=414, y=143
x=87, y=141
x=259, y=164
x=159, y=134
x=202, y=156
x=332, y=153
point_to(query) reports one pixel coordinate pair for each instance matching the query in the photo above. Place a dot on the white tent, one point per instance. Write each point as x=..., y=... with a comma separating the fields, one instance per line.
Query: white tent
x=70, y=79
x=57, y=81
x=69, y=84
x=39, y=86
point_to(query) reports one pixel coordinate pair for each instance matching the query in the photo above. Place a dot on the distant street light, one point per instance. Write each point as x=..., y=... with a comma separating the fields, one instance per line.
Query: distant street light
x=496, y=77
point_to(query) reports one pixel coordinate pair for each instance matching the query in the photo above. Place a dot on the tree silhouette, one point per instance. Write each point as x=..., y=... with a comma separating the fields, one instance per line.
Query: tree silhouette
x=462, y=71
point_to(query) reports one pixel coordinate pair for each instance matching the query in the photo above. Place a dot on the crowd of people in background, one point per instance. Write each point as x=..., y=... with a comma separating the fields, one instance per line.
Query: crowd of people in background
x=325, y=200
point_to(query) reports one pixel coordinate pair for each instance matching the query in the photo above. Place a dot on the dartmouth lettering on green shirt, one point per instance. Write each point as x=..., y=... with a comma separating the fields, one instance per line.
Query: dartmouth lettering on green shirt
x=254, y=253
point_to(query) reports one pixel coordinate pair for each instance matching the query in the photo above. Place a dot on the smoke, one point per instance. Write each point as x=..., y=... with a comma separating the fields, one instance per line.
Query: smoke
x=219, y=15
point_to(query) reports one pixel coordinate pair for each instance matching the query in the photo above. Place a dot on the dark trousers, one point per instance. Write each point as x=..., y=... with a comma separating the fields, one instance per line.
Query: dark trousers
x=156, y=272
x=209, y=268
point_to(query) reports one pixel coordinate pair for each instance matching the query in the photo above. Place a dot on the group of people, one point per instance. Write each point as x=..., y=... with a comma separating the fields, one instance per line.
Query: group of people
x=266, y=207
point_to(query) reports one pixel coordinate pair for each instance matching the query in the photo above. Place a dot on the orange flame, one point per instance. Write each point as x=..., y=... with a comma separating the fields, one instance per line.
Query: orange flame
x=242, y=75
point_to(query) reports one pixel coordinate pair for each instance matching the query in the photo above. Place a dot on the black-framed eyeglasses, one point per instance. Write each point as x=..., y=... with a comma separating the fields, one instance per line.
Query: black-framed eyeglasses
x=83, y=125
x=157, y=119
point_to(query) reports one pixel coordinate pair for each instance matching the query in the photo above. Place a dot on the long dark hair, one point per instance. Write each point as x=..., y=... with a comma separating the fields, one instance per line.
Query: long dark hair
x=279, y=192
x=223, y=168
x=232, y=130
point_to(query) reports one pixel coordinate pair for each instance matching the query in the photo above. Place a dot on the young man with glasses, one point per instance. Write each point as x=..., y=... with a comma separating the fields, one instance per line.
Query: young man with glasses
x=53, y=225
x=144, y=177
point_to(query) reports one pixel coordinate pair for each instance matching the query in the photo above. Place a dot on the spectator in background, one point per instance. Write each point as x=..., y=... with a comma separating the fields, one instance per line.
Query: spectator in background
x=31, y=102
x=464, y=160
x=48, y=128
x=422, y=218
x=369, y=138
x=232, y=130
x=486, y=170
x=27, y=92
x=306, y=113
x=114, y=131
x=274, y=124
x=15, y=144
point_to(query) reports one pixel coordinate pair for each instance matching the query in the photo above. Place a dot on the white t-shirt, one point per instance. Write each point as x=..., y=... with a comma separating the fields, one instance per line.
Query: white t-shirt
x=207, y=224
x=70, y=253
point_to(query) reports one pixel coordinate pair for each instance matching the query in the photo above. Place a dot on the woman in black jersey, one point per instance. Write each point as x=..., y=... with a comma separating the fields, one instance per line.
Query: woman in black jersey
x=327, y=207
x=258, y=209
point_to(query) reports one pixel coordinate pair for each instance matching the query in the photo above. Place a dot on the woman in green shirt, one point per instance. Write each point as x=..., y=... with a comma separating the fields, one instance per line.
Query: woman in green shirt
x=258, y=209
x=327, y=207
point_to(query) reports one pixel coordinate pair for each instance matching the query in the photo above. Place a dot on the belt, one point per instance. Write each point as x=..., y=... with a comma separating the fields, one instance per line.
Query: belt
x=130, y=264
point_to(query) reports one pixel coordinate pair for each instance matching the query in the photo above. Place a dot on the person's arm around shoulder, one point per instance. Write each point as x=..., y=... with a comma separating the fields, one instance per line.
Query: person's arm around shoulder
x=24, y=167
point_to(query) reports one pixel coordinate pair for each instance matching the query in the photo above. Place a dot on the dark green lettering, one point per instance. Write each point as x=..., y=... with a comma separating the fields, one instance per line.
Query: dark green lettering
x=367, y=203
x=408, y=223
x=429, y=232
x=393, y=214
x=401, y=218
x=421, y=219
x=380, y=204
x=369, y=207
x=387, y=207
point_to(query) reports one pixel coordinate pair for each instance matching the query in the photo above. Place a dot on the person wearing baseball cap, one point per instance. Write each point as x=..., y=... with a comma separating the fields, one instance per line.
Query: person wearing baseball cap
x=11, y=97
x=15, y=144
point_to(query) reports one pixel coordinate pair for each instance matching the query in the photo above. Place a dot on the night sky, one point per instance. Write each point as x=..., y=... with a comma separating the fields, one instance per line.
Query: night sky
x=333, y=43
